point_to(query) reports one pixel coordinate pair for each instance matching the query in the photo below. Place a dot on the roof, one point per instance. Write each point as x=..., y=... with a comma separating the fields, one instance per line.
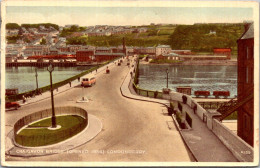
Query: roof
x=170, y=55
x=110, y=54
x=85, y=50
x=164, y=46
x=103, y=48
x=249, y=33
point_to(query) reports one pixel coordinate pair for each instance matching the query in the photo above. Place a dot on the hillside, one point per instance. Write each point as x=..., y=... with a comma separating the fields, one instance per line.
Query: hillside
x=205, y=37
x=155, y=35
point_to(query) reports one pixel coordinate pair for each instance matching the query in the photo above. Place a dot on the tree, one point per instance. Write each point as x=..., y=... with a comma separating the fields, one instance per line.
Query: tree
x=43, y=42
x=82, y=40
x=12, y=26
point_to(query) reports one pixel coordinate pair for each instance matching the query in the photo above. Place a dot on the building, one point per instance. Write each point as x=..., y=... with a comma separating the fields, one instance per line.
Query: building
x=171, y=56
x=163, y=49
x=84, y=55
x=103, y=50
x=223, y=51
x=182, y=52
x=100, y=57
x=245, y=85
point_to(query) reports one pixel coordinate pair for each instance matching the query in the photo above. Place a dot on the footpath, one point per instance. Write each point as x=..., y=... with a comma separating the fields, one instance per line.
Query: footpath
x=202, y=142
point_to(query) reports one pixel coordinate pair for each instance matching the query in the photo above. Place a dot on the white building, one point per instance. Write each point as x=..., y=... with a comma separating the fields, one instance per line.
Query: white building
x=163, y=49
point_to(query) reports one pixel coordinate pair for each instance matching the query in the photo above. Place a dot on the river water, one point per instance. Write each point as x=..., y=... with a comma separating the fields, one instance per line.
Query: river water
x=24, y=79
x=210, y=78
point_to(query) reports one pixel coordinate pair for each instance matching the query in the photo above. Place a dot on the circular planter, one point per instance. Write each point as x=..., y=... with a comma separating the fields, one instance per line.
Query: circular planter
x=32, y=130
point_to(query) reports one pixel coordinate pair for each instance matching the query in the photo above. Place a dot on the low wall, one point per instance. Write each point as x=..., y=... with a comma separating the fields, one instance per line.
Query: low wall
x=190, y=102
x=240, y=149
x=67, y=110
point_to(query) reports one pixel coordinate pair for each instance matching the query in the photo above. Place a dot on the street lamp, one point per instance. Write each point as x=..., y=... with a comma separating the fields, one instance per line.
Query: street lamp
x=167, y=72
x=36, y=75
x=50, y=68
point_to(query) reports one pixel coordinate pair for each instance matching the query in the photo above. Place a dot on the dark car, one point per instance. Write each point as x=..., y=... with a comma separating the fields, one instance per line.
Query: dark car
x=14, y=105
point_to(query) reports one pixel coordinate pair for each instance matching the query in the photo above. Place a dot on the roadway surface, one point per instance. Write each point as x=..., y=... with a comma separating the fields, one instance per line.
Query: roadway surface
x=138, y=130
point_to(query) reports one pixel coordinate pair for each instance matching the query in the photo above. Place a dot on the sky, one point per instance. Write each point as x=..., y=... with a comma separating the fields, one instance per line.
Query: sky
x=90, y=16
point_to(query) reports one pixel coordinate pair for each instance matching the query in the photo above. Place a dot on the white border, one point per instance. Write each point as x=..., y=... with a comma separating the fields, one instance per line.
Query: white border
x=122, y=3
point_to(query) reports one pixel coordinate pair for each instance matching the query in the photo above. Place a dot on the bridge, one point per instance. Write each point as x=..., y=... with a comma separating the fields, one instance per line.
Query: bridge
x=130, y=124
x=127, y=124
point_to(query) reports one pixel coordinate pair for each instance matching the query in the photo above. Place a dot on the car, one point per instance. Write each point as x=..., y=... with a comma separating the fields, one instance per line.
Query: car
x=15, y=105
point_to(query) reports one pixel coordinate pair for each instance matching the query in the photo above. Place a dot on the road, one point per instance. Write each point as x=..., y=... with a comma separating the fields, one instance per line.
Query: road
x=127, y=125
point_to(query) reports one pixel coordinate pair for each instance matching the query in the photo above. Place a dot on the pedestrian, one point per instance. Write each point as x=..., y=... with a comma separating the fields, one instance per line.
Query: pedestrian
x=40, y=91
x=78, y=79
x=96, y=70
x=155, y=94
x=24, y=99
x=70, y=83
x=131, y=73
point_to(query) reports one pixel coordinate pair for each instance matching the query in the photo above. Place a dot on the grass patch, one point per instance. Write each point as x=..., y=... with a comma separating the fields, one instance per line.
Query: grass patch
x=232, y=116
x=60, y=120
x=70, y=126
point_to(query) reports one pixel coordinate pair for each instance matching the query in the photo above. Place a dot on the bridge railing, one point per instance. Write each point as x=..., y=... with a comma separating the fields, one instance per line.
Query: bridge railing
x=147, y=93
x=144, y=92
x=55, y=85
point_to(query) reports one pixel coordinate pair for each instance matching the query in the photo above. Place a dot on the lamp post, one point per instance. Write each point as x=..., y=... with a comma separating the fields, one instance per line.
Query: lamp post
x=36, y=75
x=167, y=72
x=50, y=68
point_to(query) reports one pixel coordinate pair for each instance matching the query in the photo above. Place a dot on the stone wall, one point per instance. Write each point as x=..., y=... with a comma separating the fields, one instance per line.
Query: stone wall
x=240, y=149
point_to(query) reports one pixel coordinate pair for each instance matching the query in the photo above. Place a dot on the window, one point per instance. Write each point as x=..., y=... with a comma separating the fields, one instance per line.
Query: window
x=246, y=74
x=246, y=53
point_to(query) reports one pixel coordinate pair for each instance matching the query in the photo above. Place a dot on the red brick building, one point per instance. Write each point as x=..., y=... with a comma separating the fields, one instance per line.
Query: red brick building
x=245, y=85
x=223, y=51
x=84, y=55
x=100, y=57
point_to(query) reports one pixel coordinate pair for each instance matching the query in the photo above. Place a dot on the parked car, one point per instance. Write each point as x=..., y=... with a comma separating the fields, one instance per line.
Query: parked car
x=15, y=105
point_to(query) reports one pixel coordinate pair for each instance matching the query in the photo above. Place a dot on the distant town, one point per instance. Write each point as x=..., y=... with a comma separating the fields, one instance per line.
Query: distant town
x=86, y=45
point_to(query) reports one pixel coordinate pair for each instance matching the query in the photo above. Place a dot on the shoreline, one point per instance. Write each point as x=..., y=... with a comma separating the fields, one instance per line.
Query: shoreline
x=198, y=62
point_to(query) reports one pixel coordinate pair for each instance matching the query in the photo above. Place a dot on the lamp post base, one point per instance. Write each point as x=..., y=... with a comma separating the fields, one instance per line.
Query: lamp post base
x=54, y=128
